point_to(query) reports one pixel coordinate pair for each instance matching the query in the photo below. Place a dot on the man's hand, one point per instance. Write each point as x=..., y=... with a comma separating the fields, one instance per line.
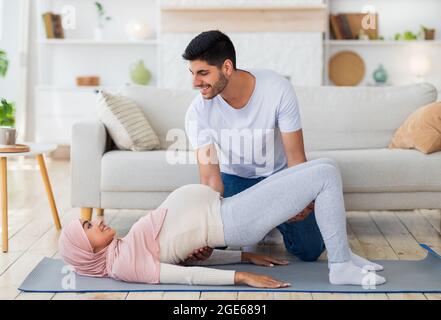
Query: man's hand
x=302, y=215
x=262, y=260
x=200, y=254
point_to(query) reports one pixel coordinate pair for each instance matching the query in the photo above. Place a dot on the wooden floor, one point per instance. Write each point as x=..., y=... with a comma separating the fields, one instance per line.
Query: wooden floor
x=374, y=234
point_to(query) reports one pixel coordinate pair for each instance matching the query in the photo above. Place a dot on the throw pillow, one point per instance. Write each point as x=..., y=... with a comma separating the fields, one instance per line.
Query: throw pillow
x=421, y=130
x=126, y=123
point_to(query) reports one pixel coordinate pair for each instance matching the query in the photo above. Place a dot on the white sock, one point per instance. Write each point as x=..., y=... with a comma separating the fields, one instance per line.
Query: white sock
x=349, y=273
x=363, y=263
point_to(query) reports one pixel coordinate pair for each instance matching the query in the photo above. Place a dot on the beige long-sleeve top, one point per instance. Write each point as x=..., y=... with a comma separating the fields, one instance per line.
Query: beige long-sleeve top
x=193, y=221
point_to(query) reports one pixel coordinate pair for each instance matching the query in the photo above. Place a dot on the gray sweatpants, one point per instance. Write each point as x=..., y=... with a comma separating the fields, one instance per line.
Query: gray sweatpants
x=248, y=216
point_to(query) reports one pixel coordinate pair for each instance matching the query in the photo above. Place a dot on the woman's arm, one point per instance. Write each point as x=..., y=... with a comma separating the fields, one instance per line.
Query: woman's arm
x=170, y=273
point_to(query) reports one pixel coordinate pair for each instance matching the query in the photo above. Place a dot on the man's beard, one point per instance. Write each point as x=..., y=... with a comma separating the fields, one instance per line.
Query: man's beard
x=219, y=86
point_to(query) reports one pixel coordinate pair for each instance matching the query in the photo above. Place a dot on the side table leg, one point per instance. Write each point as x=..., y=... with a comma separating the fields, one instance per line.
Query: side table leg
x=99, y=212
x=50, y=195
x=4, y=196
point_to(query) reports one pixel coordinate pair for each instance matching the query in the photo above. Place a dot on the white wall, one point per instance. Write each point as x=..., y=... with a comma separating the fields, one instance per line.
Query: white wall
x=296, y=55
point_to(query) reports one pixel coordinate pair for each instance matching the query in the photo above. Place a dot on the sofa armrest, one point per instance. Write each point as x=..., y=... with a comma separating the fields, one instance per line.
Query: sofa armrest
x=89, y=143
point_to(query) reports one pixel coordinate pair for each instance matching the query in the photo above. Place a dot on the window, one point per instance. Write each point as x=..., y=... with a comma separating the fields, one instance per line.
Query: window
x=1, y=19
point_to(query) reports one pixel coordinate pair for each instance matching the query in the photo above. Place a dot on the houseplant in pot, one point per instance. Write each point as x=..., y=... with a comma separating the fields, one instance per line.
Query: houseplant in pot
x=7, y=109
x=7, y=113
x=429, y=34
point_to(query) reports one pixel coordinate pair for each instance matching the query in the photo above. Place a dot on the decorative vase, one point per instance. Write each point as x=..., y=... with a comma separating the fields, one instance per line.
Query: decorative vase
x=380, y=75
x=139, y=73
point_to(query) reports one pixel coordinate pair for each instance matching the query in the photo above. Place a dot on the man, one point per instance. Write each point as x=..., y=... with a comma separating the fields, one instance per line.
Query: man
x=245, y=126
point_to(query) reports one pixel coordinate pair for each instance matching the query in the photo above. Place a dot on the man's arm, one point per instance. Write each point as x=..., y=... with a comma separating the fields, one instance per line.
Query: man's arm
x=209, y=174
x=209, y=170
x=295, y=154
x=294, y=148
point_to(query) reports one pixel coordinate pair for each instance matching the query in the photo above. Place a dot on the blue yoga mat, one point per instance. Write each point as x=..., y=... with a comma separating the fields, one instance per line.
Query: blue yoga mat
x=423, y=276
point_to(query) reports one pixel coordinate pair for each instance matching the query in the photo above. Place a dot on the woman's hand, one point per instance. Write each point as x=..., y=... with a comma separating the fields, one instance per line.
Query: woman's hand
x=258, y=280
x=262, y=260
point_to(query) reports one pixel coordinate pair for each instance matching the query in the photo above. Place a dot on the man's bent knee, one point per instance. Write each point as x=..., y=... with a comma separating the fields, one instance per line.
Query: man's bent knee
x=311, y=254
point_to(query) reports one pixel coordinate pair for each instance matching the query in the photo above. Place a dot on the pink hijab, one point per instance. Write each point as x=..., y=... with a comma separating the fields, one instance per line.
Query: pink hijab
x=134, y=258
x=76, y=250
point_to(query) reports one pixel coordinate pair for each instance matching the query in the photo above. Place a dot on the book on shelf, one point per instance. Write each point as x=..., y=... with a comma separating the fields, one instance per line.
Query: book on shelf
x=344, y=23
x=53, y=25
x=335, y=29
x=347, y=26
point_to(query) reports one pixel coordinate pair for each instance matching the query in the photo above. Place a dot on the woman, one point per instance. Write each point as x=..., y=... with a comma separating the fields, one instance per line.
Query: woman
x=195, y=216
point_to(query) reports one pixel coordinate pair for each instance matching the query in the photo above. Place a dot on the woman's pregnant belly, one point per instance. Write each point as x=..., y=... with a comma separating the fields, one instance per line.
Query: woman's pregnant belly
x=192, y=214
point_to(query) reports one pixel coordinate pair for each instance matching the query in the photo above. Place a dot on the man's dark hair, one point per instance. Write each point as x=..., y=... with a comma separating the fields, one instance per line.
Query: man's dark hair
x=212, y=46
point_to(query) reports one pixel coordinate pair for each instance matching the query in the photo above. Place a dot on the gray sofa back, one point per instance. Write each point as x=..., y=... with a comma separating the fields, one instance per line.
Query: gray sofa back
x=332, y=117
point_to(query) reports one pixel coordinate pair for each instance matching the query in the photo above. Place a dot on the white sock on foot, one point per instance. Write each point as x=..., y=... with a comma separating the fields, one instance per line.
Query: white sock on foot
x=364, y=263
x=349, y=273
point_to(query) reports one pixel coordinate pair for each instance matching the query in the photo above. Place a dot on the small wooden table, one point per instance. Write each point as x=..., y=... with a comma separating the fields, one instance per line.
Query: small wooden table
x=36, y=149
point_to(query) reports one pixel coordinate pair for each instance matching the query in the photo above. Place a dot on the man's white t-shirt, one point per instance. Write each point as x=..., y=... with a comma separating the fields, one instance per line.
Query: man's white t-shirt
x=247, y=140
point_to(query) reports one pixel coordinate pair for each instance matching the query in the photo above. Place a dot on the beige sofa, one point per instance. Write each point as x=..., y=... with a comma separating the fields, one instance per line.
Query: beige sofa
x=352, y=125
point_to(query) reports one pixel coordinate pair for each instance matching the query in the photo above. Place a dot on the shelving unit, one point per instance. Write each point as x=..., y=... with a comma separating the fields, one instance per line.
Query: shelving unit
x=393, y=16
x=91, y=42
x=58, y=101
x=355, y=43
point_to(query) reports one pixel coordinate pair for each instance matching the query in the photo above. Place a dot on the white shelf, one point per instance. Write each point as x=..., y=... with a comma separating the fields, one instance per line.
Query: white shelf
x=91, y=42
x=381, y=42
x=77, y=88
x=319, y=6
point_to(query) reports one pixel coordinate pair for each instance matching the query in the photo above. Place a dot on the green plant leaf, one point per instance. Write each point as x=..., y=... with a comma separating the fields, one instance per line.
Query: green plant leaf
x=99, y=6
x=7, y=113
x=4, y=63
x=8, y=122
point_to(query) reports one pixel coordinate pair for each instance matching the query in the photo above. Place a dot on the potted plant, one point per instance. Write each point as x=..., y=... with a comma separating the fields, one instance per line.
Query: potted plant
x=7, y=109
x=102, y=19
x=7, y=113
x=429, y=34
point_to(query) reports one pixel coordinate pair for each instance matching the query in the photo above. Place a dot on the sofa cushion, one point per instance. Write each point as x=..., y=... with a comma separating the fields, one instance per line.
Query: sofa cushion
x=386, y=170
x=421, y=130
x=368, y=170
x=147, y=170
